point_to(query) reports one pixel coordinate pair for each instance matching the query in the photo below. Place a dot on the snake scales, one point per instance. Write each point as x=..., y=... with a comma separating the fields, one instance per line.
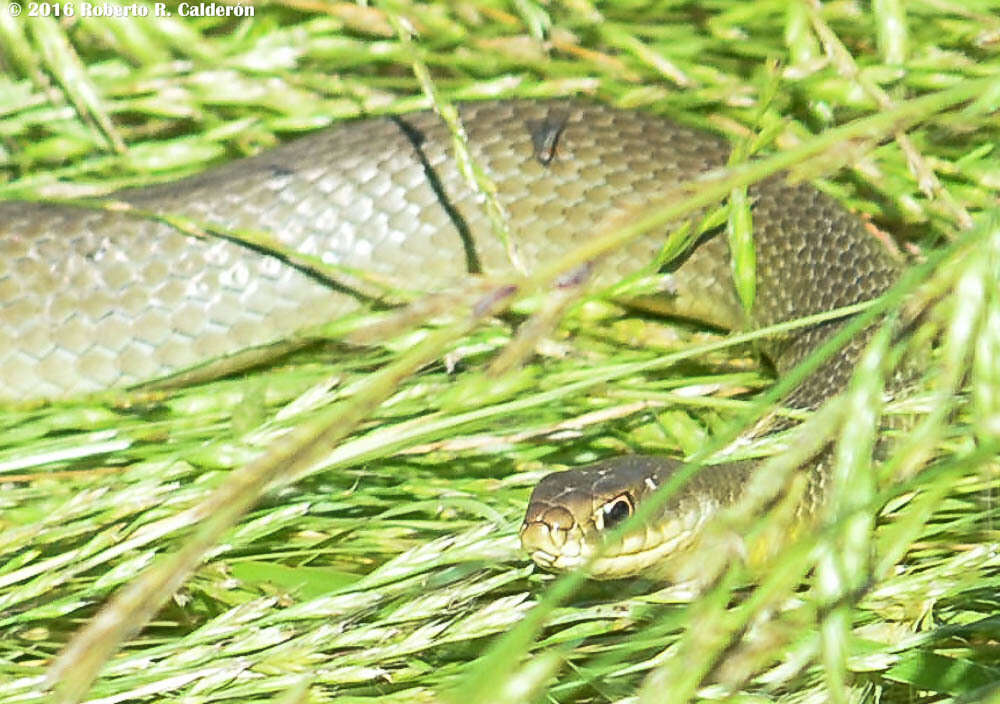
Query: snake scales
x=91, y=299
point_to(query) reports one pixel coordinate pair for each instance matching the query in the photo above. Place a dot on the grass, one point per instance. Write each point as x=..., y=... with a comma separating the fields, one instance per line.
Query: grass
x=382, y=563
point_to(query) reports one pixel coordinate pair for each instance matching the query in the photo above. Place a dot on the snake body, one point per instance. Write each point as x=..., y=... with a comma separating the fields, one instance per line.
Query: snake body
x=99, y=298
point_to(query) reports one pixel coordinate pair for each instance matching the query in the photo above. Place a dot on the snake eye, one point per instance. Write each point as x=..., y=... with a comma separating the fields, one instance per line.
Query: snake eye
x=616, y=510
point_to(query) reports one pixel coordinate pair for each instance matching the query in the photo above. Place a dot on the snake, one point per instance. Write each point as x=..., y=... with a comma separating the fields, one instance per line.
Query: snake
x=94, y=298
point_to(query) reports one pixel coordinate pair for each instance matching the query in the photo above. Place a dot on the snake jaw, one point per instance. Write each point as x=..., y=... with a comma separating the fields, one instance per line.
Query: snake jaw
x=554, y=548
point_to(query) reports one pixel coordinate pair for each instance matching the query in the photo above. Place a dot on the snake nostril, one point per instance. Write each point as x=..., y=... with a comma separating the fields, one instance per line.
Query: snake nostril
x=557, y=538
x=540, y=536
x=559, y=518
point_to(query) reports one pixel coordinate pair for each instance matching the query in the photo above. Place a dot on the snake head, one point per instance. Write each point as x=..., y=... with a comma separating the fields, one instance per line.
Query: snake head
x=572, y=516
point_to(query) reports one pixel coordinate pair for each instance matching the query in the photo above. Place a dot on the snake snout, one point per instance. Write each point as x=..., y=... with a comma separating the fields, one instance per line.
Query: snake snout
x=551, y=535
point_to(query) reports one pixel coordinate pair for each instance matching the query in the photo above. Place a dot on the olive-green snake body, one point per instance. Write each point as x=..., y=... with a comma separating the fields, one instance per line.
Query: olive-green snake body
x=96, y=298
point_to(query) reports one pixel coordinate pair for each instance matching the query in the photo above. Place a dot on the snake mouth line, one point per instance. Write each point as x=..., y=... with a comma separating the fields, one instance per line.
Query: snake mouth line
x=543, y=558
x=646, y=550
